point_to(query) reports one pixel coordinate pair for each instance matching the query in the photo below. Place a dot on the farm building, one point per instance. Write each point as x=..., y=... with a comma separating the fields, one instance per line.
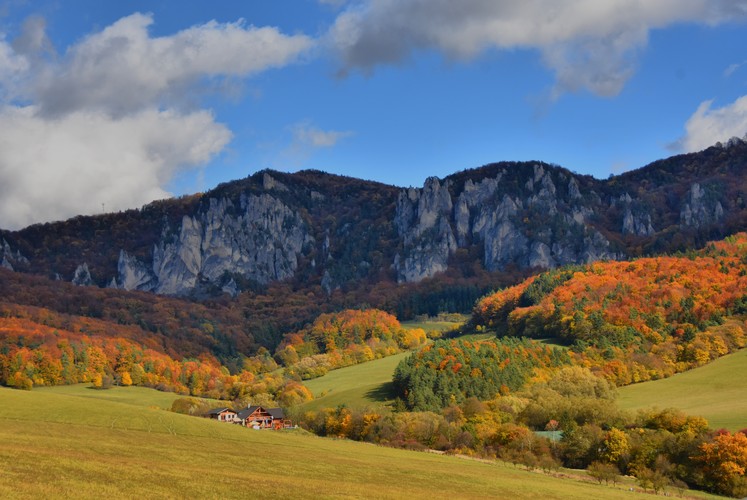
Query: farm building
x=222, y=414
x=261, y=418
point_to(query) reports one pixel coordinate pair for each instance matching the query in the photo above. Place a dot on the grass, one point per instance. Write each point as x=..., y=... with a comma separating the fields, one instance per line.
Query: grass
x=716, y=391
x=477, y=337
x=57, y=444
x=139, y=396
x=435, y=324
x=366, y=384
x=553, y=342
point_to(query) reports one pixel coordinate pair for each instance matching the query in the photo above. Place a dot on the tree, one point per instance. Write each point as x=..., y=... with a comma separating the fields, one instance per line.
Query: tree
x=615, y=446
x=654, y=479
x=724, y=463
x=602, y=471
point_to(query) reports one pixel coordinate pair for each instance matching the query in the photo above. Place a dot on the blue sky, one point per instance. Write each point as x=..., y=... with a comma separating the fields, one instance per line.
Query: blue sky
x=109, y=105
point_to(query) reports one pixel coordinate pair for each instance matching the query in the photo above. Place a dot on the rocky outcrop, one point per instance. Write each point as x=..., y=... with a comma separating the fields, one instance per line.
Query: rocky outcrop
x=638, y=224
x=259, y=239
x=636, y=219
x=269, y=183
x=82, y=276
x=700, y=209
x=134, y=275
x=535, y=226
x=423, y=222
x=11, y=258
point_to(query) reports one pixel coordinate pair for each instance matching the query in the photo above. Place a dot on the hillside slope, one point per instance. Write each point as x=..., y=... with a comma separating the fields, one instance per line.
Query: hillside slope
x=633, y=321
x=86, y=448
x=716, y=391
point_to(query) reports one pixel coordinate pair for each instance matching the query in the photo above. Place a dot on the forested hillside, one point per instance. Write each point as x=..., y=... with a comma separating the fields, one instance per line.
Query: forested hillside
x=527, y=402
x=637, y=320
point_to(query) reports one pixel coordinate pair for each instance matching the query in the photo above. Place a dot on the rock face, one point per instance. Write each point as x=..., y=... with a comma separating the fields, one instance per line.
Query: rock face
x=341, y=234
x=259, y=239
x=82, y=276
x=636, y=219
x=133, y=274
x=699, y=209
x=537, y=225
x=9, y=257
x=422, y=221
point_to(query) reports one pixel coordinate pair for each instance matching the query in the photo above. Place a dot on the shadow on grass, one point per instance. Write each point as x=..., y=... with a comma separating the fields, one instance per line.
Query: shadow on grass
x=382, y=393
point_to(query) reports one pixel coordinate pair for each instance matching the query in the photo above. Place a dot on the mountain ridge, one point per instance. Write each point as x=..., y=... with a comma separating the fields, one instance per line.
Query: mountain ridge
x=312, y=228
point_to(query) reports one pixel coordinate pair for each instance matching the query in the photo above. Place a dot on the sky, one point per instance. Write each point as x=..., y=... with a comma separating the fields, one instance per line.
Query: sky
x=108, y=105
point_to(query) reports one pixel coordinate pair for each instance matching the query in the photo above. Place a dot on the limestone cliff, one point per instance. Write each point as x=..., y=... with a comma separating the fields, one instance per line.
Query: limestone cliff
x=423, y=222
x=519, y=216
x=10, y=257
x=340, y=234
x=259, y=238
x=700, y=208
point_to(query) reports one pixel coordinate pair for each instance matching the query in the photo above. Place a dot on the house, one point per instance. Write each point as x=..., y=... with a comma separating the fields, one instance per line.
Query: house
x=222, y=414
x=278, y=419
x=258, y=417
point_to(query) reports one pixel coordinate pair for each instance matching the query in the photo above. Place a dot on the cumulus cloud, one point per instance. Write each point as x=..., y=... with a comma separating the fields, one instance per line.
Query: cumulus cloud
x=588, y=44
x=33, y=40
x=112, y=119
x=51, y=169
x=123, y=68
x=708, y=125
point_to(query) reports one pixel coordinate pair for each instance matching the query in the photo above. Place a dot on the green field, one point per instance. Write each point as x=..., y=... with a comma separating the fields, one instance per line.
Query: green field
x=365, y=384
x=716, y=391
x=62, y=445
x=140, y=396
x=435, y=324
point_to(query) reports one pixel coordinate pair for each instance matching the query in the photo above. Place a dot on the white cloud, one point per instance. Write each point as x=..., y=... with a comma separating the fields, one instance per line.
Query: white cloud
x=33, y=39
x=123, y=68
x=54, y=169
x=732, y=68
x=708, y=126
x=306, y=139
x=112, y=120
x=588, y=44
x=305, y=134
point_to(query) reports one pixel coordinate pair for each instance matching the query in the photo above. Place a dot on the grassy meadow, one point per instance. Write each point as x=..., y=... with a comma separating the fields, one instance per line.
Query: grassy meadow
x=54, y=443
x=437, y=324
x=366, y=384
x=139, y=396
x=716, y=391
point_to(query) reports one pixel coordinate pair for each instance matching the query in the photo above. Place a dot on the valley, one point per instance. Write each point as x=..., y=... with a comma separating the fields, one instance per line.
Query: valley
x=542, y=350
x=373, y=249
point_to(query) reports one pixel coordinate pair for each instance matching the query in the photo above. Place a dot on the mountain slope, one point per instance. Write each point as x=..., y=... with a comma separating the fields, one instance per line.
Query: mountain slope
x=315, y=229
